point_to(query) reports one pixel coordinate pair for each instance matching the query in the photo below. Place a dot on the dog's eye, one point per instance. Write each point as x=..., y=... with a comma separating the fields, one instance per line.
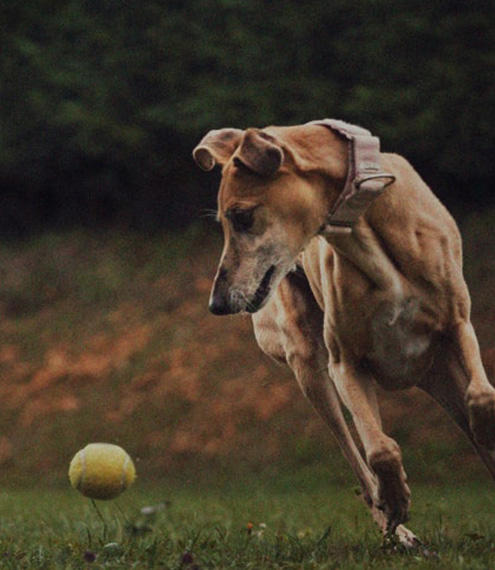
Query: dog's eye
x=242, y=220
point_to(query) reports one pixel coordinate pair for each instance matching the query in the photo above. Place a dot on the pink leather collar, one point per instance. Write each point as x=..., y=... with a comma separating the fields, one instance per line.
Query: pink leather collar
x=365, y=180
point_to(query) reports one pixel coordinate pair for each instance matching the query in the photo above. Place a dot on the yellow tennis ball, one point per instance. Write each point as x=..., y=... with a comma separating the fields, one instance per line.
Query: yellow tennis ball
x=101, y=471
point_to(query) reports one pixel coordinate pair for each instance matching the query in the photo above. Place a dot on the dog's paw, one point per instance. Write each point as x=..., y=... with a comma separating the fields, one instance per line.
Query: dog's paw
x=407, y=538
x=395, y=505
x=481, y=409
x=393, y=493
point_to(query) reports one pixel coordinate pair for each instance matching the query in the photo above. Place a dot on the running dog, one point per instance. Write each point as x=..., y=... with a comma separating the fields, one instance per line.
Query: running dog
x=352, y=271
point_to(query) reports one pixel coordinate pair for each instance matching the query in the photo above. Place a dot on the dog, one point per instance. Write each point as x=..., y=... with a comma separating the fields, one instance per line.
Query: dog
x=349, y=291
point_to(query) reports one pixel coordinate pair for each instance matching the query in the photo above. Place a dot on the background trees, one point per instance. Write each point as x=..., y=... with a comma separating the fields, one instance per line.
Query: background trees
x=102, y=102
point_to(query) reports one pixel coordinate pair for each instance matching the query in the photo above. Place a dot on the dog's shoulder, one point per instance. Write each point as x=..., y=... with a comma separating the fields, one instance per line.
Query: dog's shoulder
x=419, y=232
x=409, y=200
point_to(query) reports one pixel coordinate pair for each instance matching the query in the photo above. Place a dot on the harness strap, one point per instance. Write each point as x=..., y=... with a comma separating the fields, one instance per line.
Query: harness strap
x=365, y=180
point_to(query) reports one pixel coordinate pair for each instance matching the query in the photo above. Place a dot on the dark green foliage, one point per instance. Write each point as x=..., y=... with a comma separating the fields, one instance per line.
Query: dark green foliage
x=101, y=102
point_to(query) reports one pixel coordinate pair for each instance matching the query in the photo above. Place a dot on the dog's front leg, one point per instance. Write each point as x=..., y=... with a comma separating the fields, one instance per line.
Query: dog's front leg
x=383, y=455
x=320, y=390
x=321, y=393
x=289, y=330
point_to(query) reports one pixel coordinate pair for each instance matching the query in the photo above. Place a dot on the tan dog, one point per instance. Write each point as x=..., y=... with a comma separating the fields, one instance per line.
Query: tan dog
x=386, y=304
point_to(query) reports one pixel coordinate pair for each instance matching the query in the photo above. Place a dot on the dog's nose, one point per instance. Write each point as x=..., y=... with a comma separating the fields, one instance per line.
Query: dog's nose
x=218, y=305
x=218, y=299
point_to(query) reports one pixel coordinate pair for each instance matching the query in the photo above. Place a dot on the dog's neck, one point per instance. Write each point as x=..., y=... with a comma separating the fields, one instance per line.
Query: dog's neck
x=360, y=244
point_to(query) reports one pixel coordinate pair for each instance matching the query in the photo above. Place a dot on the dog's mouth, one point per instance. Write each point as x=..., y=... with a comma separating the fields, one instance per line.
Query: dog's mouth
x=262, y=292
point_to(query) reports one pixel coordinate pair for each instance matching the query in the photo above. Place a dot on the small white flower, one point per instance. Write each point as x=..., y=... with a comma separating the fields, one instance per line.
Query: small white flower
x=152, y=509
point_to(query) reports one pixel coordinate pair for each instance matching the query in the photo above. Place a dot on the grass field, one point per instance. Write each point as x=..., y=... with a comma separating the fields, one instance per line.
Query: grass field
x=290, y=521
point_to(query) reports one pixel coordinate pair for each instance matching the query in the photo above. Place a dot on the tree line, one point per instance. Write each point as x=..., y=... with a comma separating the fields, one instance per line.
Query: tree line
x=102, y=101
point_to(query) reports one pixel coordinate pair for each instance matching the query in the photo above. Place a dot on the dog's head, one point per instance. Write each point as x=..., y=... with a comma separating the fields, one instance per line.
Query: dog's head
x=276, y=189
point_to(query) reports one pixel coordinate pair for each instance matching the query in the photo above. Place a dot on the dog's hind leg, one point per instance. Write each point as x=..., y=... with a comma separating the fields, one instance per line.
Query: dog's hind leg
x=447, y=383
x=480, y=394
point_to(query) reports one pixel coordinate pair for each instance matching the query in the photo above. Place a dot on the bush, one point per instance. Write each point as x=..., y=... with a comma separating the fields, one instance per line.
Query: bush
x=102, y=102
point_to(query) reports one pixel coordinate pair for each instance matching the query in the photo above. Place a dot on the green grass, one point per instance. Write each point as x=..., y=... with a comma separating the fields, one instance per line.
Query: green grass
x=298, y=522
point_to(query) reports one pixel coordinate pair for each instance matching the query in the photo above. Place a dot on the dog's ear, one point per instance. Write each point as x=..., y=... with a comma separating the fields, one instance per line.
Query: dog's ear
x=260, y=153
x=217, y=147
x=315, y=148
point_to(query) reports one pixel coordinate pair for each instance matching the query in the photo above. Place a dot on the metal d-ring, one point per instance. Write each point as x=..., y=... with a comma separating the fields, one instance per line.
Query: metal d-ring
x=376, y=176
